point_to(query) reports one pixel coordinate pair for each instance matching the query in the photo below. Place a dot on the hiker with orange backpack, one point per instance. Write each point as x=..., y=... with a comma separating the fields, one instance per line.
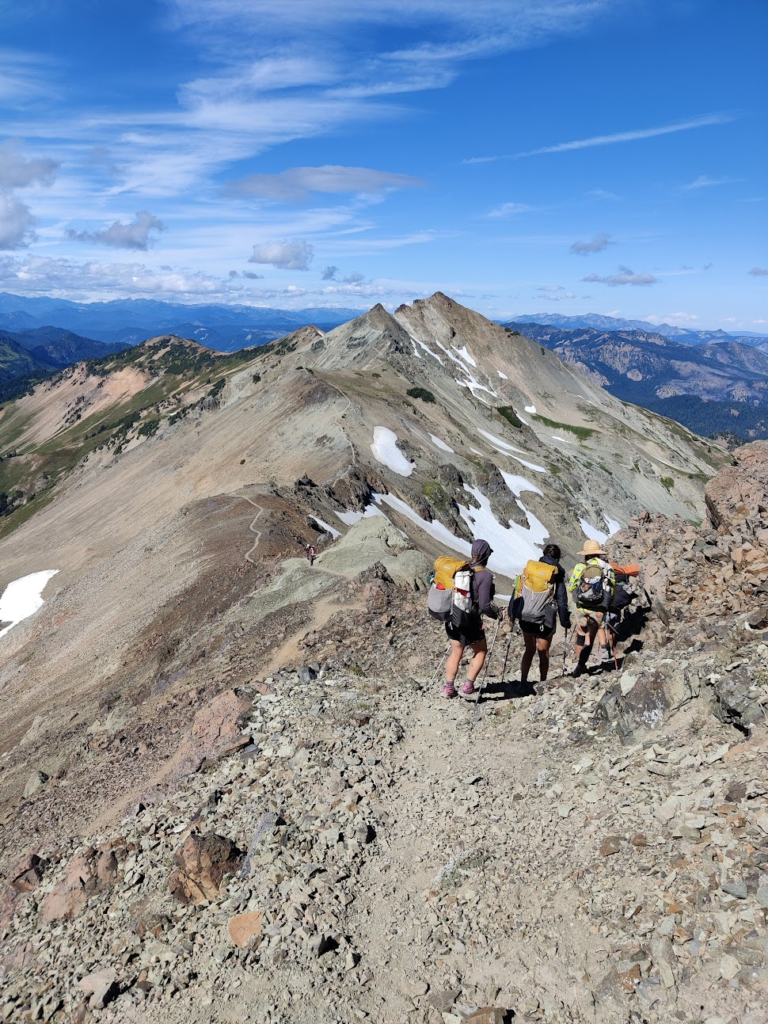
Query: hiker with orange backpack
x=592, y=584
x=462, y=593
x=539, y=599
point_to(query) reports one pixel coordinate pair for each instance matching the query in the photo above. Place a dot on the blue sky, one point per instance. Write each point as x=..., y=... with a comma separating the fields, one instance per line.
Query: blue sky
x=520, y=155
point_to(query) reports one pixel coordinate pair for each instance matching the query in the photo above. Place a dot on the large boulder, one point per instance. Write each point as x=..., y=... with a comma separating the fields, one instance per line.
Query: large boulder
x=202, y=862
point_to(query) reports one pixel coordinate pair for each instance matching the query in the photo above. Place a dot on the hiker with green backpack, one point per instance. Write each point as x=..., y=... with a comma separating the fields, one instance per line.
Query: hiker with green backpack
x=462, y=592
x=592, y=585
x=538, y=599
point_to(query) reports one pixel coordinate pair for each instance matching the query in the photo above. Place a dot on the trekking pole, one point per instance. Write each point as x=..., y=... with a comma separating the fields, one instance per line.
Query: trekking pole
x=565, y=649
x=506, y=655
x=485, y=670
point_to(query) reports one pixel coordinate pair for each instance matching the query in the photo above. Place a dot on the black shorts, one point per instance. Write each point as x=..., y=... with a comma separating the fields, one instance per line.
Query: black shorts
x=470, y=634
x=542, y=630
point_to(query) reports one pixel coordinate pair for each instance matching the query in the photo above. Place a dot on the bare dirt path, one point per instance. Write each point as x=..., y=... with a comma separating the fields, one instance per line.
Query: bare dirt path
x=252, y=525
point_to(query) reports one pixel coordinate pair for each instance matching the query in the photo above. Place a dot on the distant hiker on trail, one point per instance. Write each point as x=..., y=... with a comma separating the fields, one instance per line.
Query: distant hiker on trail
x=310, y=551
x=592, y=584
x=468, y=630
x=539, y=598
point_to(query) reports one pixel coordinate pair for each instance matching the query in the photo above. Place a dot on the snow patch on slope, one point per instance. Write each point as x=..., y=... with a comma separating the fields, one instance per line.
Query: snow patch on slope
x=386, y=452
x=328, y=529
x=531, y=409
x=592, y=532
x=23, y=597
x=502, y=375
x=440, y=444
x=512, y=545
x=518, y=484
x=465, y=355
x=350, y=517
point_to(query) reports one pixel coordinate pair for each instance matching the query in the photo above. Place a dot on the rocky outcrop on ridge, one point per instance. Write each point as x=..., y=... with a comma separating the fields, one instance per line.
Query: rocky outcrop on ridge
x=355, y=848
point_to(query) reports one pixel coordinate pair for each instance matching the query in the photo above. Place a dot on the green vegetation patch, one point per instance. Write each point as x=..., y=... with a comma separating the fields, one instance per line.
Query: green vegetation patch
x=667, y=482
x=583, y=433
x=510, y=415
x=422, y=393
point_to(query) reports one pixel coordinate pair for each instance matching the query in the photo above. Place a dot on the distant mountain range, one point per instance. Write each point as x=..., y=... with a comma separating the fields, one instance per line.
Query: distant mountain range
x=130, y=321
x=713, y=387
x=684, y=335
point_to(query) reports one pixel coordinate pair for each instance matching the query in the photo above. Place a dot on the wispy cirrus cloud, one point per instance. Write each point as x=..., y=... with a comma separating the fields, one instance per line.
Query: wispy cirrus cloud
x=704, y=181
x=597, y=244
x=136, y=234
x=624, y=276
x=296, y=183
x=613, y=139
x=509, y=210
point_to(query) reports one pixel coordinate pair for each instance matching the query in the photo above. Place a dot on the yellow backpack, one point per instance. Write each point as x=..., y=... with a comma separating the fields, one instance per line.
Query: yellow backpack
x=446, y=568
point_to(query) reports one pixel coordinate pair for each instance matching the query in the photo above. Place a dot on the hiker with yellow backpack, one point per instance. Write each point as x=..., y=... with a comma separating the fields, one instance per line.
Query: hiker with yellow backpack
x=462, y=592
x=538, y=600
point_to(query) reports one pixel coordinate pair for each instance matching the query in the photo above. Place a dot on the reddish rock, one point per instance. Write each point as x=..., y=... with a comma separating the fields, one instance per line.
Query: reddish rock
x=611, y=845
x=244, y=927
x=106, y=869
x=85, y=874
x=202, y=862
x=68, y=898
x=221, y=720
x=216, y=732
x=28, y=872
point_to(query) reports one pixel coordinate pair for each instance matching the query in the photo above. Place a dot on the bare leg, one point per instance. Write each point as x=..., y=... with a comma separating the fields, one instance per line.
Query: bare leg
x=480, y=650
x=543, y=645
x=530, y=647
x=454, y=660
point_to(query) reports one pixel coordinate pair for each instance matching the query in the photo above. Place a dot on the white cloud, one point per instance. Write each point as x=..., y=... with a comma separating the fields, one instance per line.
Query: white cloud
x=597, y=244
x=758, y=272
x=624, y=276
x=679, y=317
x=136, y=234
x=329, y=274
x=600, y=193
x=704, y=182
x=16, y=222
x=509, y=210
x=18, y=172
x=551, y=288
x=610, y=140
x=42, y=275
x=295, y=184
x=285, y=254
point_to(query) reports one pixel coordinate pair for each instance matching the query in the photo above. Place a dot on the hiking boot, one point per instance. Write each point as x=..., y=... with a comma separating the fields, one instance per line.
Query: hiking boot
x=605, y=654
x=468, y=689
x=449, y=690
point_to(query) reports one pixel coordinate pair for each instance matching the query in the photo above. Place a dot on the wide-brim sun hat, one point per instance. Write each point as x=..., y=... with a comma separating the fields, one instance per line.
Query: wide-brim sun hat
x=592, y=548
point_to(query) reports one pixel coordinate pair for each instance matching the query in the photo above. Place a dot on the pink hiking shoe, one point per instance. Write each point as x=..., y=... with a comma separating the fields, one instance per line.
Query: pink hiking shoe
x=468, y=689
x=449, y=690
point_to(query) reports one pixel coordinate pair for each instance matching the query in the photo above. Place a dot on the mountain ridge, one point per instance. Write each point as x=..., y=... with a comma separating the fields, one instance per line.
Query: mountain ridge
x=686, y=335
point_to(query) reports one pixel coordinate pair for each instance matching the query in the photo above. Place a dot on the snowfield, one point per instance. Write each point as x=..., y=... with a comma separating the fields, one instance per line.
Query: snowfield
x=440, y=444
x=350, y=517
x=328, y=529
x=592, y=532
x=512, y=545
x=23, y=597
x=518, y=484
x=386, y=452
x=531, y=409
